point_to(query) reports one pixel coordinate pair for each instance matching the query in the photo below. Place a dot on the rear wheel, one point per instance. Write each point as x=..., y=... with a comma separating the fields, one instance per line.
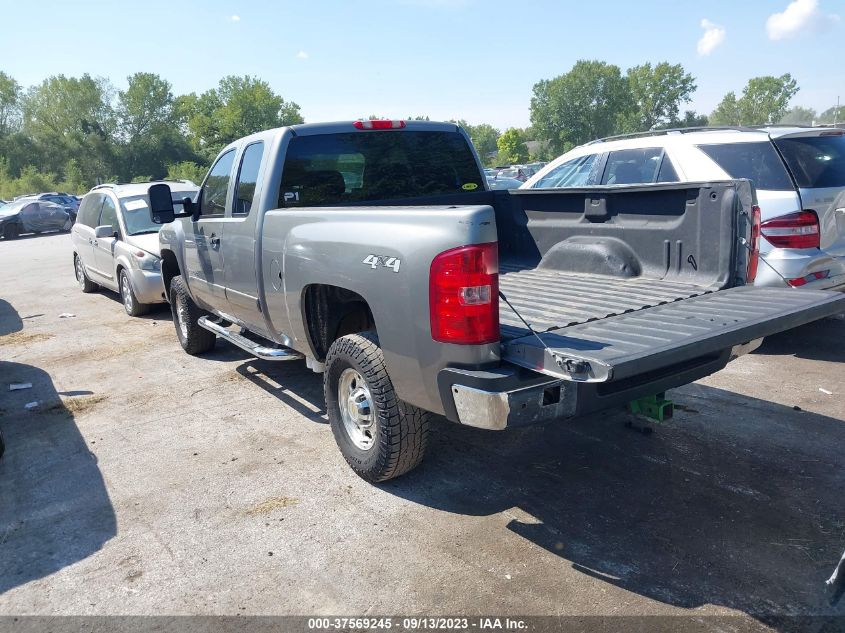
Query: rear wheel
x=379, y=435
x=11, y=231
x=130, y=302
x=81, y=278
x=186, y=314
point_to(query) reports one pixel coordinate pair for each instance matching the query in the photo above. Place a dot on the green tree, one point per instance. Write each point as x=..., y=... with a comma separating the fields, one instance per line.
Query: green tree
x=834, y=114
x=727, y=112
x=512, y=147
x=237, y=107
x=186, y=170
x=657, y=93
x=798, y=115
x=10, y=92
x=764, y=101
x=690, y=119
x=588, y=102
x=69, y=118
x=147, y=127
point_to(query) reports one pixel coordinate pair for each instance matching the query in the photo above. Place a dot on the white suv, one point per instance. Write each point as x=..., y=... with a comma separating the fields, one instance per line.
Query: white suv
x=115, y=243
x=797, y=173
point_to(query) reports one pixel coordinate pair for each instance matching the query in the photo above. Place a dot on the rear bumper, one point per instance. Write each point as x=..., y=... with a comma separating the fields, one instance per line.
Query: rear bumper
x=511, y=397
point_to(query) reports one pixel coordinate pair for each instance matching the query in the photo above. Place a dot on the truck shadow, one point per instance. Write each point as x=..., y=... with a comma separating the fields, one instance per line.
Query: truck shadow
x=54, y=507
x=737, y=503
x=290, y=382
x=820, y=340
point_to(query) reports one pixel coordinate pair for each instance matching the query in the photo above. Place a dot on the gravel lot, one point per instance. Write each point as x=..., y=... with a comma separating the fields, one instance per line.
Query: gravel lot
x=147, y=481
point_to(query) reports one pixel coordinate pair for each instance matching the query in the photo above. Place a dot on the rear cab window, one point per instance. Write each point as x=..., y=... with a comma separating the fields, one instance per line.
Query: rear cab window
x=247, y=178
x=758, y=162
x=816, y=162
x=357, y=167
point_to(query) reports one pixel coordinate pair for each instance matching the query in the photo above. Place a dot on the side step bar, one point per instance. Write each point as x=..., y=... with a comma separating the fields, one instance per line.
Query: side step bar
x=256, y=349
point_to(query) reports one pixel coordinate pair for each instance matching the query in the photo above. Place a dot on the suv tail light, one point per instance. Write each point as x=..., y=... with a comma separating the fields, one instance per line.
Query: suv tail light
x=464, y=295
x=796, y=230
x=754, y=255
x=379, y=124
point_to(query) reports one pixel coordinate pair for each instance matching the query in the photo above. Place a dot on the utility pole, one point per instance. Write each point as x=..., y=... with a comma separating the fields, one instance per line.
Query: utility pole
x=836, y=112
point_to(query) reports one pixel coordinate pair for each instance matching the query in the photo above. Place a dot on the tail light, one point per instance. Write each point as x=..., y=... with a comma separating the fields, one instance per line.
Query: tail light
x=803, y=281
x=464, y=295
x=754, y=255
x=796, y=230
x=379, y=124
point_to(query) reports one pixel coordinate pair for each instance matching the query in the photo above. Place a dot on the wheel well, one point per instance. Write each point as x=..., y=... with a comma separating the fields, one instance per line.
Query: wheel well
x=330, y=312
x=169, y=269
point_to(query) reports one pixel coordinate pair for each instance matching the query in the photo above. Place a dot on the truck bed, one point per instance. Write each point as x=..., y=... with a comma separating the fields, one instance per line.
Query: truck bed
x=550, y=299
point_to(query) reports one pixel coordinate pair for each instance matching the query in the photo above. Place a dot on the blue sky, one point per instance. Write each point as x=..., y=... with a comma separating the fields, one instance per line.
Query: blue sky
x=470, y=59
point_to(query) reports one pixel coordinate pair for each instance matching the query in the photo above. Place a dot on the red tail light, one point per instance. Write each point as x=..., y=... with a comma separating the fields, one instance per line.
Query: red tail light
x=796, y=230
x=464, y=295
x=754, y=255
x=379, y=124
x=803, y=281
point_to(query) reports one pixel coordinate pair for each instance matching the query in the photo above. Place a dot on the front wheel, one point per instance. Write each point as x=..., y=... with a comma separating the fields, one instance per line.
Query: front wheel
x=379, y=435
x=131, y=304
x=186, y=314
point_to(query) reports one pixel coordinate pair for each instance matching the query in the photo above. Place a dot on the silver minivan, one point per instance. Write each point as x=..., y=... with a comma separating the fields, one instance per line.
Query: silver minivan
x=797, y=173
x=115, y=243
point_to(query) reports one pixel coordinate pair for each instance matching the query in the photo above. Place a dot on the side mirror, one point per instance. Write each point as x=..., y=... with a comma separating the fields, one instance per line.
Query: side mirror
x=104, y=231
x=161, y=204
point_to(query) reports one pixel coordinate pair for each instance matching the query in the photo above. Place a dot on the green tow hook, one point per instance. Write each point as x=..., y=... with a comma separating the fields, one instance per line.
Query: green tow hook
x=656, y=408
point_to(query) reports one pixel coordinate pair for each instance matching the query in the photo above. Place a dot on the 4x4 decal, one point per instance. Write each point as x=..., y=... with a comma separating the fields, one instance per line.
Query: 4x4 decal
x=374, y=261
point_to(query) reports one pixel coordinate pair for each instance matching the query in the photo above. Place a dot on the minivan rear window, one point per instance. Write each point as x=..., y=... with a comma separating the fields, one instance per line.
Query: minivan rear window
x=326, y=169
x=758, y=162
x=815, y=161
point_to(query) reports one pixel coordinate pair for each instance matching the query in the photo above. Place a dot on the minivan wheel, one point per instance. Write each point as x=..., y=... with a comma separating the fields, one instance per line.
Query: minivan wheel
x=379, y=435
x=81, y=278
x=11, y=231
x=130, y=302
x=186, y=314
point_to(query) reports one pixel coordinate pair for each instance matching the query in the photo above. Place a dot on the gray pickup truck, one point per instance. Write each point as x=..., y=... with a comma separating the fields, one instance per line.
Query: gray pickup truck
x=374, y=251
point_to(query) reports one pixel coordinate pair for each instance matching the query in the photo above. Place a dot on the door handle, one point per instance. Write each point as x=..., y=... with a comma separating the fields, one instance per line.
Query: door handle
x=215, y=241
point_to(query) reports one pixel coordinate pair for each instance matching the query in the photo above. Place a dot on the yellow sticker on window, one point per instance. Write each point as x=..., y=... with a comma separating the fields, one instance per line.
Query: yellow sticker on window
x=469, y=186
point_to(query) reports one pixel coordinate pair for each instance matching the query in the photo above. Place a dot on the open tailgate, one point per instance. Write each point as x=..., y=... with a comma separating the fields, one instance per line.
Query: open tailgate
x=631, y=344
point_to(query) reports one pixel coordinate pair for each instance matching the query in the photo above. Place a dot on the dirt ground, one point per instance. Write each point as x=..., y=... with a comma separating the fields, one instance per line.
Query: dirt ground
x=147, y=481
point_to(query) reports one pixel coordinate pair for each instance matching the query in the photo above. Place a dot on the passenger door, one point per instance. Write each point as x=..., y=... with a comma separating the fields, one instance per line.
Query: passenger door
x=83, y=230
x=104, y=246
x=238, y=249
x=203, y=256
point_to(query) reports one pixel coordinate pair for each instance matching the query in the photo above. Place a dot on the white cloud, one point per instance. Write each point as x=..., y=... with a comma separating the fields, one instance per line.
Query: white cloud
x=713, y=36
x=801, y=16
x=235, y=18
x=302, y=55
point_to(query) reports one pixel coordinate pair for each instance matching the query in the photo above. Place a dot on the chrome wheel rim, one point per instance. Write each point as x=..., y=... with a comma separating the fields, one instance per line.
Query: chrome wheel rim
x=182, y=318
x=80, y=272
x=356, y=409
x=126, y=292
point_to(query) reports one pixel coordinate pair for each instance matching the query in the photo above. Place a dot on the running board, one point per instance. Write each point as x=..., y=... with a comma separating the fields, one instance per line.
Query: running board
x=256, y=349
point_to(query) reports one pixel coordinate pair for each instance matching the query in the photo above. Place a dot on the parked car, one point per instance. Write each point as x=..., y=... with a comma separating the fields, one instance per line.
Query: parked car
x=392, y=289
x=27, y=215
x=517, y=173
x=797, y=172
x=502, y=182
x=115, y=244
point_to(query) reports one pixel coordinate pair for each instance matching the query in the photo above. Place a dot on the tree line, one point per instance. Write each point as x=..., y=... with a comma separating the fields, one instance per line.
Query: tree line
x=68, y=133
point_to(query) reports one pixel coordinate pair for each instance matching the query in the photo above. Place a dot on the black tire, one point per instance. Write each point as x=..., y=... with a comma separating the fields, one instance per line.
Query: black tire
x=399, y=430
x=11, y=231
x=85, y=284
x=131, y=305
x=193, y=338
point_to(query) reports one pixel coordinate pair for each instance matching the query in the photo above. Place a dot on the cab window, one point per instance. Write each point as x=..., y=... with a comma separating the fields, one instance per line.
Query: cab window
x=89, y=210
x=247, y=178
x=216, y=185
